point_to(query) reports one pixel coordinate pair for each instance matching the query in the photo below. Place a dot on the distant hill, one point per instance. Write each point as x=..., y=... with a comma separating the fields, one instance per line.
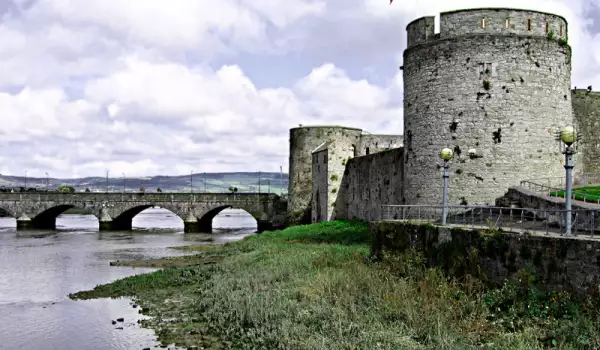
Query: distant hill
x=215, y=182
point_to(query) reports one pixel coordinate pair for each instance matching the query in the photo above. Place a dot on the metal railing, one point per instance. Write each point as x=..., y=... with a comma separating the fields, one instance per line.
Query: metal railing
x=586, y=179
x=558, y=192
x=518, y=220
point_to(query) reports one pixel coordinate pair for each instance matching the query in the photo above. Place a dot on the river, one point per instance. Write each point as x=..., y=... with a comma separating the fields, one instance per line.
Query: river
x=39, y=269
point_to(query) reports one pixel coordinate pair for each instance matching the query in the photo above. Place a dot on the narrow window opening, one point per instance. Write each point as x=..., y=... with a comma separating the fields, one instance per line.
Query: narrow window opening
x=561, y=30
x=324, y=158
x=529, y=24
x=483, y=22
x=507, y=23
x=367, y=150
x=547, y=28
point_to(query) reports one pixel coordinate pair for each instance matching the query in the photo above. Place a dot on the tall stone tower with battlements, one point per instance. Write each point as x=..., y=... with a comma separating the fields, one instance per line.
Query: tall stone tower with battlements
x=494, y=86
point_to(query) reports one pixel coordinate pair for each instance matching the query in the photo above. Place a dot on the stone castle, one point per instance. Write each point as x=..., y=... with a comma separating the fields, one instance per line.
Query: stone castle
x=492, y=84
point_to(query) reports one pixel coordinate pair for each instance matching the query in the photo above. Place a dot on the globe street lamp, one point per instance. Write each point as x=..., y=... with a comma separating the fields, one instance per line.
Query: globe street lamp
x=446, y=155
x=568, y=135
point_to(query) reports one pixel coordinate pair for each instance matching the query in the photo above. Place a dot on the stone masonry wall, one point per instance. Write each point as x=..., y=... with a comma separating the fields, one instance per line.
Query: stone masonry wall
x=497, y=100
x=586, y=113
x=558, y=263
x=378, y=143
x=319, y=186
x=303, y=141
x=370, y=182
x=339, y=154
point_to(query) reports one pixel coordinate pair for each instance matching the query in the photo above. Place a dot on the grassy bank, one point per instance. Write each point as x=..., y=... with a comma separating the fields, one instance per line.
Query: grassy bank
x=588, y=194
x=310, y=287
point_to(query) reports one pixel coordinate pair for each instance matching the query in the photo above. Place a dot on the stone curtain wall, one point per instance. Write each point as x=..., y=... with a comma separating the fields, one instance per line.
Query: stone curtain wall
x=586, y=112
x=370, y=182
x=303, y=141
x=558, y=263
x=497, y=99
x=378, y=143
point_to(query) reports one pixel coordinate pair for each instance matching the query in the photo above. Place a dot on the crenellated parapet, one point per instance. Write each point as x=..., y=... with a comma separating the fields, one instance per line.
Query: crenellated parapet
x=488, y=21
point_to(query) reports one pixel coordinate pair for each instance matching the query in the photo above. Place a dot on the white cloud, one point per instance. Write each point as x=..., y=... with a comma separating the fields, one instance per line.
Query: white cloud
x=153, y=86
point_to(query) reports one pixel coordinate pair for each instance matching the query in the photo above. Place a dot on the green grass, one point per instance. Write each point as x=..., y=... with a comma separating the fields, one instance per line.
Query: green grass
x=309, y=287
x=589, y=193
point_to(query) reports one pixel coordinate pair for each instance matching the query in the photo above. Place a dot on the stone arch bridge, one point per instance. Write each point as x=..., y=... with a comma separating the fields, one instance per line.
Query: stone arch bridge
x=115, y=211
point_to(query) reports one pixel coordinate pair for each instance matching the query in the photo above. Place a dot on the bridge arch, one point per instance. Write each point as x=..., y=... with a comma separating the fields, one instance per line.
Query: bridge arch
x=205, y=218
x=123, y=220
x=46, y=217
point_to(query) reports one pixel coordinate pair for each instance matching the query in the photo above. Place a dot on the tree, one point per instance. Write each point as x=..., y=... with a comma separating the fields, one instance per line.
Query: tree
x=87, y=190
x=158, y=189
x=142, y=189
x=233, y=189
x=66, y=189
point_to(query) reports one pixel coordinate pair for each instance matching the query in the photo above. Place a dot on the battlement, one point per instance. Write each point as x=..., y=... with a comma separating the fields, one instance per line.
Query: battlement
x=493, y=21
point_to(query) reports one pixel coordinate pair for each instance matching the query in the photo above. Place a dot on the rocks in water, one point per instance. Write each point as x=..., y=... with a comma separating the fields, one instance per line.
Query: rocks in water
x=114, y=322
x=135, y=306
x=119, y=328
x=120, y=319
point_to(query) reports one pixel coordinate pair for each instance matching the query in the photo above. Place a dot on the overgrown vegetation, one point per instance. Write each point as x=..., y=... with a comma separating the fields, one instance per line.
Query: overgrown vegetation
x=588, y=194
x=310, y=287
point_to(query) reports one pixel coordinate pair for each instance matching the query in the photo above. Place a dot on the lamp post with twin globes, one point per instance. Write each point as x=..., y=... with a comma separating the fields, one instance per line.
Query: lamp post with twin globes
x=446, y=155
x=568, y=136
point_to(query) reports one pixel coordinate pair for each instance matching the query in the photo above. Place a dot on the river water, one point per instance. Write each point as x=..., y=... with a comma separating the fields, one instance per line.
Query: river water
x=39, y=269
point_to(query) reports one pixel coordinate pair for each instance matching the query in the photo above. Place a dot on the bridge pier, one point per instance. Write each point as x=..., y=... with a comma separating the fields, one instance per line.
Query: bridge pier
x=191, y=224
x=24, y=223
x=263, y=225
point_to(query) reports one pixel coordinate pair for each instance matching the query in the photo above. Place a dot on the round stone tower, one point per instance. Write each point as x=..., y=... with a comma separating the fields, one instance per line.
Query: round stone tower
x=586, y=113
x=303, y=141
x=494, y=86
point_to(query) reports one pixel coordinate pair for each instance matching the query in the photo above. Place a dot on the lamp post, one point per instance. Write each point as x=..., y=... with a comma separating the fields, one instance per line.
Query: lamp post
x=446, y=155
x=25, y=180
x=204, y=182
x=259, y=182
x=281, y=180
x=47, y=181
x=123, y=182
x=191, y=183
x=106, y=180
x=568, y=136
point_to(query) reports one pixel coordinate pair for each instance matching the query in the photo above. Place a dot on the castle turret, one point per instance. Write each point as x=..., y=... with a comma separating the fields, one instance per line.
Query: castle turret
x=494, y=86
x=303, y=141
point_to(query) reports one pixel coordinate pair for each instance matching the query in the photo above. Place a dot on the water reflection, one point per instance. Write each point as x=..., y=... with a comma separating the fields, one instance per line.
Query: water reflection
x=38, y=269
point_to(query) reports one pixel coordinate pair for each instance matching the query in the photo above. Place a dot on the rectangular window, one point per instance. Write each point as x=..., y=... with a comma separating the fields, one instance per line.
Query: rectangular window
x=547, y=28
x=507, y=23
x=483, y=24
x=561, y=27
x=529, y=24
x=324, y=158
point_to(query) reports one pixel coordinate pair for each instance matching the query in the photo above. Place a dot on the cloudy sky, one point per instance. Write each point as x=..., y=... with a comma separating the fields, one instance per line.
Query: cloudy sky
x=147, y=87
